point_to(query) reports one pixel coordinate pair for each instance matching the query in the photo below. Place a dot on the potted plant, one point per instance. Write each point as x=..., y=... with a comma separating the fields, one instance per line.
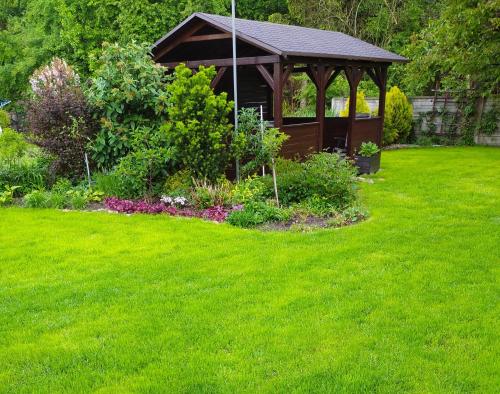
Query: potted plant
x=368, y=158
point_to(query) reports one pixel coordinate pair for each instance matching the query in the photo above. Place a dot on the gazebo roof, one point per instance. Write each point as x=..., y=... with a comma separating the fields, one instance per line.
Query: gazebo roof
x=289, y=40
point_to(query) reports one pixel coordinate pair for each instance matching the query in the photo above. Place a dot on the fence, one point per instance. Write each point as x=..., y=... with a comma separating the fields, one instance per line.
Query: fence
x=433, y=115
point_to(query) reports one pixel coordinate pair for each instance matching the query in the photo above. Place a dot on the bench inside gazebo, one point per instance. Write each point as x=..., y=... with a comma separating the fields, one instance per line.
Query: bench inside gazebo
x=267, y=54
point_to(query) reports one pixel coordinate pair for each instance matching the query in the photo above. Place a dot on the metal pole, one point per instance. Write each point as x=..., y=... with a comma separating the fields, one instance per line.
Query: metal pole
x=262, y=135
x=88, y=168
x=235, y=79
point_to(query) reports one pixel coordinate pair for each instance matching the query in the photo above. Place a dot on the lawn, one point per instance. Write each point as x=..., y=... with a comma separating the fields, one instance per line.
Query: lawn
x=407, y=301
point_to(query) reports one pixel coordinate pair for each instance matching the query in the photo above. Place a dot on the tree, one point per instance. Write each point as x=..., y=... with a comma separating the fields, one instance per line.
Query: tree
x=361, y=105
x=198, y=127
x=128, y=90
x=59, y=118
x=398, y=120
x=460, y=49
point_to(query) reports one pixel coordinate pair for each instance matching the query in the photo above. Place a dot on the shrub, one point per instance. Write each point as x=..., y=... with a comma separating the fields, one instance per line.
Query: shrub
x=110, y=184
x=255, y=145
x=290, y=182
x=178, y=184
x=36, y=199
x=12, y=145
x=206, y=194
x=78, y=200
x=361, y=105
x=329, y=176
x=256, y=213
x=398, y=120
x=7, y=195
x=127, y=91
x=29, y=173
x=368, y=149
x=198, y=125
x=59, y=117
x=4, y=119
x=145, y=168
x=249, y=190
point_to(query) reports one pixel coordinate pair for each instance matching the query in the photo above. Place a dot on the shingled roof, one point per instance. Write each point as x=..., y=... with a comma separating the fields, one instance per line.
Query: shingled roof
x=289, y=40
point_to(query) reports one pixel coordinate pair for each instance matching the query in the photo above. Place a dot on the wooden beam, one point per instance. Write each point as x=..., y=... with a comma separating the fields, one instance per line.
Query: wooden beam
x=278, y=95
x=189, y=32
x=333, y=76
x=266, y=75
x=228, y=62
x=218, y=77
x=321, y=78
x=354, y=75
x=381, y=102
x=207, y=37
x=288, y=71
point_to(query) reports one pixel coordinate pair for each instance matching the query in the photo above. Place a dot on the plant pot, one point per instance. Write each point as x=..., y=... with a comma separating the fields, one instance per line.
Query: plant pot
x=368, y=165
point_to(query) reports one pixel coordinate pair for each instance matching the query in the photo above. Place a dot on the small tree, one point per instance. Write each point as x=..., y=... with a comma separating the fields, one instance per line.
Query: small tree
x=361, y=105
x=59, y=118
x=128, y=90
x=12, y=145
x=398, y=120
x=198, y=127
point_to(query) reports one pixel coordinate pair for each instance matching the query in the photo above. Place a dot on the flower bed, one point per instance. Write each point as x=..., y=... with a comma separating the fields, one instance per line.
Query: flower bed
x=216, y=213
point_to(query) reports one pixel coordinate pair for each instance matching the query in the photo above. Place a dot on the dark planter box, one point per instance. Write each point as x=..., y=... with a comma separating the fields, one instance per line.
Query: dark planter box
x=368, y=165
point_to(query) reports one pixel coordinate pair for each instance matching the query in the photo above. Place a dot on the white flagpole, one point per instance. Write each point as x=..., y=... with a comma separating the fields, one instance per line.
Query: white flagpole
x=235, y=79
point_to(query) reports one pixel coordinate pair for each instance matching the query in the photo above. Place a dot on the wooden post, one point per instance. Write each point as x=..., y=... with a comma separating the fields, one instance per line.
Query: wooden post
x=382, y=82
x=354, y=76
x=320, y=103
x=278, y=95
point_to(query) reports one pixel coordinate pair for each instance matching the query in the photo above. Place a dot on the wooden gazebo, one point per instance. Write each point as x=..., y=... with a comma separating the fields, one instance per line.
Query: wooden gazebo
x=267, y=54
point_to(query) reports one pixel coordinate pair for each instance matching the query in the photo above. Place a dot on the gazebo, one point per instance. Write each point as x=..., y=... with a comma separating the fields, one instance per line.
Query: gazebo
x=267, y=54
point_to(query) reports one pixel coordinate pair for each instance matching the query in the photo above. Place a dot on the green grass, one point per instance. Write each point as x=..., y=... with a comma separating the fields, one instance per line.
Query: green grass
x=406, y=301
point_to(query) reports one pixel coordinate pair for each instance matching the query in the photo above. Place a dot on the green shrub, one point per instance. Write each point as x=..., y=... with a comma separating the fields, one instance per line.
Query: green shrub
x=128, y=91
x=290, y=180
x=368, y=149
x=110, y=184
x=255, y=145
x=29, y=174
x=179, y=184
x=198, y=126
x=55, y=199
x=7, y=195
x=249, y=190
x=361, y=105
x=256, y=213
x=329, y=176
x=12, y=145
x=4, y=119
x=398, y=120
x=145, y=167
x=36, y=199
x=78, y=200
x=206, y=194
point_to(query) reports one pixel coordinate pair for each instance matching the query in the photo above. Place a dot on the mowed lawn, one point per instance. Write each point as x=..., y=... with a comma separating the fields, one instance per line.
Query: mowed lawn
x=407, y=301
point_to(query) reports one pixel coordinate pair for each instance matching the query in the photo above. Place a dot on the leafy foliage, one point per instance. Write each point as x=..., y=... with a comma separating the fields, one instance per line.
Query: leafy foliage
x=12, y=145
x=144, y=169
x=4, y=119
x=256, y=213
x=256, y=144
x=459, y=49
x=59, y=118
x=361, y=105
x=368, y=149
x=398, y=120
x=198, y=125
x=128, y=91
